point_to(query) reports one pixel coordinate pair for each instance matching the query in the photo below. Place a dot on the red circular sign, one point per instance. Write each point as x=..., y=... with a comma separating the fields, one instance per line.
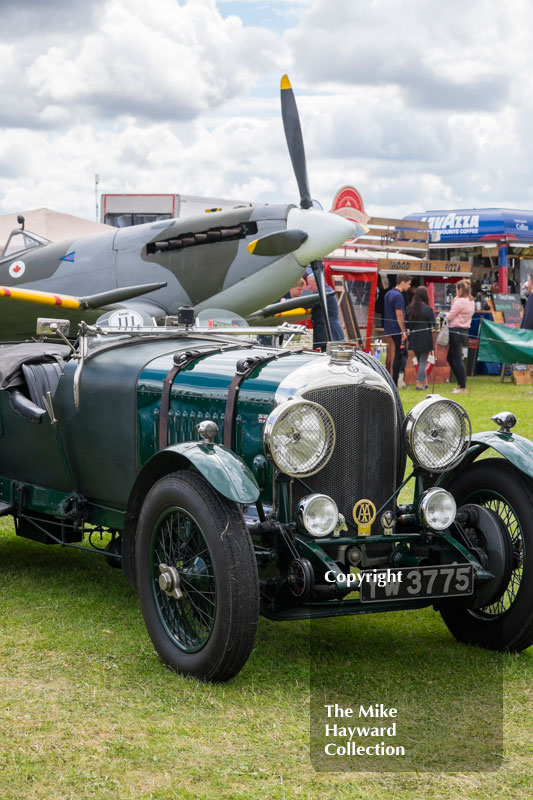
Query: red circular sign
x=348, y=197
x=348, y=203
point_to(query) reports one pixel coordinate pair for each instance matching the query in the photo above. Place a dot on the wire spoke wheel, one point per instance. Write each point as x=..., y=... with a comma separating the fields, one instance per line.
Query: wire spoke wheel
x=178, y=543
x=506, y=621
x=196, y=577
x=501, y=507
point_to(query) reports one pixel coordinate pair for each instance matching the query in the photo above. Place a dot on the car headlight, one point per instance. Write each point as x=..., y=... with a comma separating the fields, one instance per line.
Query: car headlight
x=437, y=433
x=318, y=514
x=299, y=437
x=437, y=509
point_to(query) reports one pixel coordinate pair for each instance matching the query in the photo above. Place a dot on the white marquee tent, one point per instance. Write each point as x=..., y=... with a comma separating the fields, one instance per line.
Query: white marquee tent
x=52, y=225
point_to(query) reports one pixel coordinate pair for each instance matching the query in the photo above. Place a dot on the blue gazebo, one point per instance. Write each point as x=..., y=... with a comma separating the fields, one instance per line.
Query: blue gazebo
x=503, y=227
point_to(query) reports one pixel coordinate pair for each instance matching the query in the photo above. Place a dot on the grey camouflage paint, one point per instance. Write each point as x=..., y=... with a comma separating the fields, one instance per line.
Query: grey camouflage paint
x=218, y=274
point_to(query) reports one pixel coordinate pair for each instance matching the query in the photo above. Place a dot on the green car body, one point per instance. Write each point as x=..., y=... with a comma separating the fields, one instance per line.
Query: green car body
x=107, y=454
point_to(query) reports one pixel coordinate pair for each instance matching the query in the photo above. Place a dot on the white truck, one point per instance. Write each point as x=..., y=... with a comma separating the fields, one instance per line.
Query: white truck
x=122, y=210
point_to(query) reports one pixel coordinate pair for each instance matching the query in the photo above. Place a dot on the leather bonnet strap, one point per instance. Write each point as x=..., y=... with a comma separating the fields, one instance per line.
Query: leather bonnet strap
x=181, y=362
x=243, y=370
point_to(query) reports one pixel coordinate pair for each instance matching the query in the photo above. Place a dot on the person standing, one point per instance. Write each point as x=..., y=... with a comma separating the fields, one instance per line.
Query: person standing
x=459, y=318
x=527, y=317
x=394, y=324
x=420, y=321
x=317, y=315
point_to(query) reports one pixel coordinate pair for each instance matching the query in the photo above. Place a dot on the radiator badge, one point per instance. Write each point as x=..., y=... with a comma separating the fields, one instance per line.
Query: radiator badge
x=388, y=522
x=364, y=513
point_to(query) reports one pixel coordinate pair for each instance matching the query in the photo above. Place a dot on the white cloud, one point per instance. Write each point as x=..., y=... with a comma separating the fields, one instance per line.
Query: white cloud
x=430, y=104
x=452, y=55
x=420, y=105
x=225, y=158
x=263, y=3
x=157, y=61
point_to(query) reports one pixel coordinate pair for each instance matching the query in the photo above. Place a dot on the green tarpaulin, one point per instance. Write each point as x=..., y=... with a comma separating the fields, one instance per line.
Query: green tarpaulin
x=506, y=345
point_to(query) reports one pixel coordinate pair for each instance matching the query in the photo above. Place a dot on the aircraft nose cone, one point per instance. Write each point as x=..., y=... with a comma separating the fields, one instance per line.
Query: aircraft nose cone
x=325, y=232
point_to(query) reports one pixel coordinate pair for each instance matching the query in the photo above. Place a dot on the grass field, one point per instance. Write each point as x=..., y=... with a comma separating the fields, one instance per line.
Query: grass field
x=88, y=711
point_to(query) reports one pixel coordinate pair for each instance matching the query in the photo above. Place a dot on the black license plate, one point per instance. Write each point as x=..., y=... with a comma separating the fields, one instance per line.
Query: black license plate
x=415, y=583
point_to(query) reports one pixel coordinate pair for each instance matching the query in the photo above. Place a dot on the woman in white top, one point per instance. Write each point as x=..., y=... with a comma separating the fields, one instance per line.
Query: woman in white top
x=459, y=318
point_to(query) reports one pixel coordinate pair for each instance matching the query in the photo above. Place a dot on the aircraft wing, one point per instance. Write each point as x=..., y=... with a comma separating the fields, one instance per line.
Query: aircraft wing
x=102, y=300
x=20, y=307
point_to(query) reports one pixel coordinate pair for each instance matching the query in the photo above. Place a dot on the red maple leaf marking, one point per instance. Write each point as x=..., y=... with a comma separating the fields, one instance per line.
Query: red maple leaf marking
x=17, y=269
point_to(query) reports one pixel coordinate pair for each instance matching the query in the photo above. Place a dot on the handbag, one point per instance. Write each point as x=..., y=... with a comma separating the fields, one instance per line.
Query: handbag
x=443, y=337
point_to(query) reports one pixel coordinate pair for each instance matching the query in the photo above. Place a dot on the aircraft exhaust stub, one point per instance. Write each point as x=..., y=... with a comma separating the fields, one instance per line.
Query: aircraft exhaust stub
x=204, y=237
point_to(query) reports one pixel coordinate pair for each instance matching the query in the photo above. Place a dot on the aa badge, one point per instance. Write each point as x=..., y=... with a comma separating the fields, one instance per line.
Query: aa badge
x=364, y=513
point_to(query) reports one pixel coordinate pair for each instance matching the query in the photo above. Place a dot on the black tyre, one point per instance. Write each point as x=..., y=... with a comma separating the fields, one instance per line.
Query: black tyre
x=113, y=552
x=196, y=578
x=507, y=622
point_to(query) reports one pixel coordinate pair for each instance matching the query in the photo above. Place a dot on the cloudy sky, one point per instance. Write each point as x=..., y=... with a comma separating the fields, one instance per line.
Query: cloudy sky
x=421, y=104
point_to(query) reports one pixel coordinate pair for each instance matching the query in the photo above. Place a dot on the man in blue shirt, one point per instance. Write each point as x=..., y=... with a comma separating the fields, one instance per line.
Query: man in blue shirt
x=394, y=324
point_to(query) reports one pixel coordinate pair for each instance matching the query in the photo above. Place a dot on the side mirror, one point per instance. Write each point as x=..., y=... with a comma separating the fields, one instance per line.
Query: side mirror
x=52, y=327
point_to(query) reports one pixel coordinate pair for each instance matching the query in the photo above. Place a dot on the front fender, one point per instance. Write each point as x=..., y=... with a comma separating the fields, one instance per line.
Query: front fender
x=516, y=449
x=225, y=471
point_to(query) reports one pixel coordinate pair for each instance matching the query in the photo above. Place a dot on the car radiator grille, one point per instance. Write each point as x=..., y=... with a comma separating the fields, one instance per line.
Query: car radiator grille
x=364, y=462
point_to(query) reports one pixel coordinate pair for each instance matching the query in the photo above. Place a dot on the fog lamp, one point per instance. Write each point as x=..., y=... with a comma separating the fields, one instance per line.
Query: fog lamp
x=318, y=514
x=437, y=509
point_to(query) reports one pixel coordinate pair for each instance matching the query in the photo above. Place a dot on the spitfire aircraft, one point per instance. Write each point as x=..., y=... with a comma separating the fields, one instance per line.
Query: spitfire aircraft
x=239, y=259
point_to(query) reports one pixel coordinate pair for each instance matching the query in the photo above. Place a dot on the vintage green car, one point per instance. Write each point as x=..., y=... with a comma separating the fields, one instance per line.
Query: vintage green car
x=230, y=479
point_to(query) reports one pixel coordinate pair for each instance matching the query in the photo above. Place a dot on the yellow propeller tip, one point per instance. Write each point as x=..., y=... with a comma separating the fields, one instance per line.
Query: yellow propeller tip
x=285, y=82
x=252, y=246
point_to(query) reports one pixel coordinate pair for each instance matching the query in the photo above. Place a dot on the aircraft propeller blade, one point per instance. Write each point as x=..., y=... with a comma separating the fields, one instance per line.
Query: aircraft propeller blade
x=302, y=301
x=318, y=271
x=278, y=243
x=295, y=142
